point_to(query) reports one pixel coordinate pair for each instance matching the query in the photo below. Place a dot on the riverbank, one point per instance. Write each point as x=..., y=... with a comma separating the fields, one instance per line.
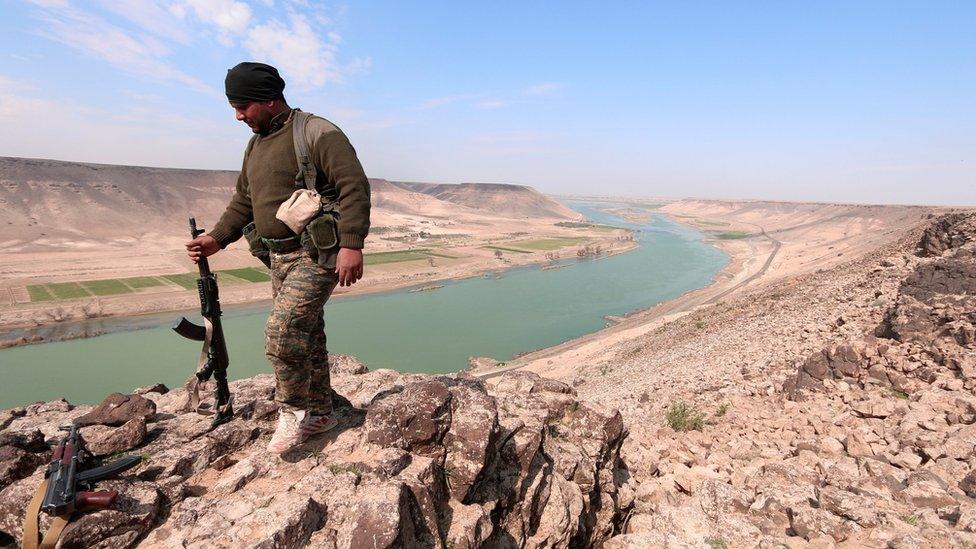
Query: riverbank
x=766, y=242
x=69, y=320
x=746, y=260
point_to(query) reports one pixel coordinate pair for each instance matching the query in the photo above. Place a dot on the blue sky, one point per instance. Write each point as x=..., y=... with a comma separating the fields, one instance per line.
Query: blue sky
x=845, y=101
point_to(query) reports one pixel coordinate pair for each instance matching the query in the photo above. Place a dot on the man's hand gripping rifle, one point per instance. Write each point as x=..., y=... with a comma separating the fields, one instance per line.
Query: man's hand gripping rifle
x=213, y=358
x=67, y=488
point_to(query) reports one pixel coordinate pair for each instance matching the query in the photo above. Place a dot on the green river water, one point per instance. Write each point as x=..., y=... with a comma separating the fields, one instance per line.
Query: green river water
x=433, y=332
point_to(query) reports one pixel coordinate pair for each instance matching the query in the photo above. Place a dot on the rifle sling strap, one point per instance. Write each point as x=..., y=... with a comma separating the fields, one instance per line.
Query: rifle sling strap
x=305, y=179
x=193, y=382
x=31, y=529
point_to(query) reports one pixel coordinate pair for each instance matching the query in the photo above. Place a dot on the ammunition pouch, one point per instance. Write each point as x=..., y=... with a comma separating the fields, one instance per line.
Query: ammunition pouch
x=256, y=244
x=321, y=238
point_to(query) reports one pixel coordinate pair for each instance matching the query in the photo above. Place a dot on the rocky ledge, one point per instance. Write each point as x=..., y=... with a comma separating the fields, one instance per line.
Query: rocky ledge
x=416, y=461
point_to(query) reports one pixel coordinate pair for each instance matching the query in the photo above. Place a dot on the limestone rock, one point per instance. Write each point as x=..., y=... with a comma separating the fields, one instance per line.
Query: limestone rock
x=117, y=409
x=103, y=441
x=20, y=454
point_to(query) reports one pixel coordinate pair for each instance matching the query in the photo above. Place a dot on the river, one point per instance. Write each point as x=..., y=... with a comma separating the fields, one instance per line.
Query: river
x=433, y=331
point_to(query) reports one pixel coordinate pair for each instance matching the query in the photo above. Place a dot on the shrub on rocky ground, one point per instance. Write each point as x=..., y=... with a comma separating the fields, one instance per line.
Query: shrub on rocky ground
x=682, y=416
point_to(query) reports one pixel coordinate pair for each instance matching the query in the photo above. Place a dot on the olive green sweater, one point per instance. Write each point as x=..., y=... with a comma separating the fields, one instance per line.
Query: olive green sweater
x=268, y=178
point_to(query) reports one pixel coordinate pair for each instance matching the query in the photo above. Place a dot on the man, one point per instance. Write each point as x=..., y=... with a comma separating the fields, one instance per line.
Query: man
x=301, y=283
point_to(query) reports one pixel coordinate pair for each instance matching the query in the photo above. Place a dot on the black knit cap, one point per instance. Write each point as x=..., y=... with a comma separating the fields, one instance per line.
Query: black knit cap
x=253, y=82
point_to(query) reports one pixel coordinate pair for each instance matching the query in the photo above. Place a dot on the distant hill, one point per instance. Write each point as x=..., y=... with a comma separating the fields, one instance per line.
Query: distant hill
x=500, y=199
x=401, y=200
x=75, y=201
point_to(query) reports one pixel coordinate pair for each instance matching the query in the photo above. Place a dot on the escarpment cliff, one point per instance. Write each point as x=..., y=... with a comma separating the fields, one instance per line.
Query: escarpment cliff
x=416, y=461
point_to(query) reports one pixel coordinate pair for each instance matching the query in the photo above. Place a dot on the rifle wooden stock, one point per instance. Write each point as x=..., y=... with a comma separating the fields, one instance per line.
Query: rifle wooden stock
x=85, y=501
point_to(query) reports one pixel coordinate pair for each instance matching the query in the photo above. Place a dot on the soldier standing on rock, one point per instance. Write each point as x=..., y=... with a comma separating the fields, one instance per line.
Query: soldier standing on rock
x=306, y=264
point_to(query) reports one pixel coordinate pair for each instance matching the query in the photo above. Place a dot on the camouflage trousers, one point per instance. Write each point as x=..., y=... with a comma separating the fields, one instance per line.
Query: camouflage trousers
x=295, y=332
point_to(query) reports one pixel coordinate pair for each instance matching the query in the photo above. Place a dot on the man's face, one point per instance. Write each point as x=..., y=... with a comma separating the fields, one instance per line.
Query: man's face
x=256, y=114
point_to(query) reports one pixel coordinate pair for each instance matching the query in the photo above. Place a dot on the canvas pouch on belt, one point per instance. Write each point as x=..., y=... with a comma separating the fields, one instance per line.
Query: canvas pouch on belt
x=254, y=244
x=300, y=208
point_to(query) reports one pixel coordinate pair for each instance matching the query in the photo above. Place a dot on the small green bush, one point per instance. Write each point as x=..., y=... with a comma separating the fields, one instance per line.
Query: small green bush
x=716, y=543
x=684, y=417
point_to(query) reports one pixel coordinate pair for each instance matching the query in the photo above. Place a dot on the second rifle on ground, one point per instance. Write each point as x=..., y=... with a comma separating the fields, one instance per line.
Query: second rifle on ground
x=68, y=486
x=213, y=360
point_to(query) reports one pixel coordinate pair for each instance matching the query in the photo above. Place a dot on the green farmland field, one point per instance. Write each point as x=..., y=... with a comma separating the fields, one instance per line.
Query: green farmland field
x=733, y=235
x=379, y=258
x=250, y=274
x=116, y=286
x=139, y=282
x=585, y=225
x=504, y=249
x=547, y=244
x=38, y=292
x=106, y=287
x=67, y=290
x=438, y=254
x=187, y=280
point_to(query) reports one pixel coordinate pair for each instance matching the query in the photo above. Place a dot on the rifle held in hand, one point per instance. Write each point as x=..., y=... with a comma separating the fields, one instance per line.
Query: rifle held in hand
x=213, y=358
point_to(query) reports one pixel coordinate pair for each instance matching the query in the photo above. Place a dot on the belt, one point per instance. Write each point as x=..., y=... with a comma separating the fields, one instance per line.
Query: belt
x=282, y=245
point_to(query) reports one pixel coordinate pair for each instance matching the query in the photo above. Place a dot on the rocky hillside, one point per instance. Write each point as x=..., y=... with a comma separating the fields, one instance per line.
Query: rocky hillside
x=395, y=198
x=500, y=199
x=54, y=200
x=831, y=410
x=416, y=461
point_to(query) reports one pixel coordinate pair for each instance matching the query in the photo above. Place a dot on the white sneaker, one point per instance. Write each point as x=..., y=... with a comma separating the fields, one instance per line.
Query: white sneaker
x=297, y=426
x=311, y=425
x=286, y=435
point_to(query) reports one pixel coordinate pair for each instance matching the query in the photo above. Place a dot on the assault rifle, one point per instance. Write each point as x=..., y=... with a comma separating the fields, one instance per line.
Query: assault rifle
x=64, y=478
x=68, y=487
x=213, y=358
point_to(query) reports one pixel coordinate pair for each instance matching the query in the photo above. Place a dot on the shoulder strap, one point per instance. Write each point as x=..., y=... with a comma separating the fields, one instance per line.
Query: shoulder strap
x=305, y=178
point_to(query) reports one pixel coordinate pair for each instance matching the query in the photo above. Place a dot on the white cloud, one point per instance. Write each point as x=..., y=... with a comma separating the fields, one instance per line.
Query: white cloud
x=543, y=89
x=492, y=104
x=296, y=50
x=93, y=36
x=449, y=99
x=299, y=41
x=23, y=101
x=14, y=105
x=493, y=100
x=154, y=16
x=55, y=4
x=229, y=16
